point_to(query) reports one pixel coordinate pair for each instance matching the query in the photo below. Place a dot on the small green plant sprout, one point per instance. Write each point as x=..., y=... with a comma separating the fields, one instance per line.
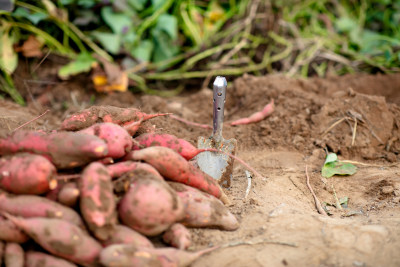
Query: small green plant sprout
x=333, y=166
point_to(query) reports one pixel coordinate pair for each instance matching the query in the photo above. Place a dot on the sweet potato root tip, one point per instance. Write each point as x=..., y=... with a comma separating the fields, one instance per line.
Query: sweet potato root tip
x=25, y=173
x=97, y=202
x=9, y=232
x=257, y=116
x=174, y=167
x=36, y=259
x=60, y=238
x=178, y=236
x=150, y=206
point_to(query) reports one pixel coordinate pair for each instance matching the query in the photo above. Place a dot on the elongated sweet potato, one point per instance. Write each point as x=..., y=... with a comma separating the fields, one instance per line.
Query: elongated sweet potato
x=118, y=140
x=204, y=210
x=9, y=232
x=25, y=173
x=34, y=206
x=68, y=194
x=120, y=168
x=150, y=206
x=173, y=166
x=96, y=114
x=178, y=236
x=60, y=238
x=97, y=203
x=126, y=235
x=64, y=149
x=183, y=147
x=13, y=255
x=130, y=255
x=40, y=259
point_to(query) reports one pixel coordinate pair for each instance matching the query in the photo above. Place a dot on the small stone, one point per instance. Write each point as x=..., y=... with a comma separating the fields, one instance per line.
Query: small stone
x=388, y=189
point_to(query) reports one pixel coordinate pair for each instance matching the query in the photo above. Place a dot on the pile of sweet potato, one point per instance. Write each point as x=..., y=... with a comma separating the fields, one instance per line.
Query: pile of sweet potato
x=96, y=193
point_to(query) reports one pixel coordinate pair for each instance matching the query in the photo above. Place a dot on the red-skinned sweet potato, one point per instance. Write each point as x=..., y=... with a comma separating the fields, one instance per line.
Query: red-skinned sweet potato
x=204, y=210
x=118, y=140
x=173, y=166
x=34, y=206
x=150, y=206
x=183, y=147
x=178, y=236
x=118, y=169
x=126, y=235
x=25, y=173
x=64, y=149
x=130, y=255
x=68, y=194
x=96, y=114
x=13, y=255
x=9, y=232
x=97, y=203
x=60, y=238
x=40, y=259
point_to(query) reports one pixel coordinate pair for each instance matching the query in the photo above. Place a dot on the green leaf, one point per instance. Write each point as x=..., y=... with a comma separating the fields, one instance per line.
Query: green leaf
x=118, y=22
x=169, y=25
x=345, y=24
x=331, y=157
x=35, y=18
x=143, y=51
x=83, y=63
x=110, y=41
x=137, y=4
x=164, y=47
x=333, y=168
x=157, y=4
x=8, y=57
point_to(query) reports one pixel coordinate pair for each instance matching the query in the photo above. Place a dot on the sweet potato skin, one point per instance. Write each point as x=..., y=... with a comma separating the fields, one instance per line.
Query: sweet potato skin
x=126, y=235
x=120, y=168
x=35, y=206
x=64, y=149
x=25, y=173
x=13, y=255
x=204, y=210
x=39, y=259
x=2, y=245
x=68, y=194
x=9, y=232
x=173, y=166
x=150, y=206
x=97, y=202
x=60, y=238
x=118, y=140
x=178, y=236
x=181, y=146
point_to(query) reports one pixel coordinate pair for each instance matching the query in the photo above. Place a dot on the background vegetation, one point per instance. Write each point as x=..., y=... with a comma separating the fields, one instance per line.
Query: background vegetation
x=143, y=42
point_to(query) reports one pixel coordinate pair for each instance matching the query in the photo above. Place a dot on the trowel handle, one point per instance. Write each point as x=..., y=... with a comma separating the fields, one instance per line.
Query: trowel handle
x=219, y=90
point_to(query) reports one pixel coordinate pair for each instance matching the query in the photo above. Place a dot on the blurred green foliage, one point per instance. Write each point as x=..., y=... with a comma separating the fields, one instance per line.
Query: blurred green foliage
x=184, y=39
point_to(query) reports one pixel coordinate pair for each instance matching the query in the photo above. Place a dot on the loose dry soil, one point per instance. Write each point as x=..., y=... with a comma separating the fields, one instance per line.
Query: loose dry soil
x=279, y=223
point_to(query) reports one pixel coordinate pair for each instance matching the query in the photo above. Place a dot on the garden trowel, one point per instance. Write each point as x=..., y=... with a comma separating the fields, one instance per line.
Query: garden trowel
x=217, y=165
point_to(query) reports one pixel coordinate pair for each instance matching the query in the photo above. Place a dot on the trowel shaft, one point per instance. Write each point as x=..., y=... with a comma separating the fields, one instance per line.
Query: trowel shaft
x=219, y=90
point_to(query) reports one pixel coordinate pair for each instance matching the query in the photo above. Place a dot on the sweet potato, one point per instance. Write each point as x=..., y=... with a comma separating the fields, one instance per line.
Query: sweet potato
x=96, y=114
x=64, y=149
x=173, y=166
x=204, y=210
x=126, y=235
x=178, y=236
x=35, y=206
x=25, y=173
x=183, y=147
x=40, y=259
x=9, y=232
x=118, y=140
x=130, y=255
x=68, y=194
x=60, y=238
x=13, y=255
x=257, y=116
x=97, y=203
x=150, y=206
x=120, y=168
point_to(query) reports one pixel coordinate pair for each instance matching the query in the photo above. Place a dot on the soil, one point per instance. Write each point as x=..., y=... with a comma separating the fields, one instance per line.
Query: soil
x=279, y=223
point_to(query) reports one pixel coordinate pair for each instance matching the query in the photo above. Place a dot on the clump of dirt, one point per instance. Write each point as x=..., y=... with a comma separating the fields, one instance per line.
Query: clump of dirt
x=355, y=116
